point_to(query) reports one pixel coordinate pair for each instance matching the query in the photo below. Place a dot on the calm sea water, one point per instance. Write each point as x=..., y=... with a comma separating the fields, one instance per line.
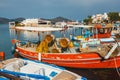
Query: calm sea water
x=92, y=74
x=5, y=41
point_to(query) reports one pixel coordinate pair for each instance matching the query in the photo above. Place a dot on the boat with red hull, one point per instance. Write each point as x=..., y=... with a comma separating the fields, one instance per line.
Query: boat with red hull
x=74, y=60
x=69, y=55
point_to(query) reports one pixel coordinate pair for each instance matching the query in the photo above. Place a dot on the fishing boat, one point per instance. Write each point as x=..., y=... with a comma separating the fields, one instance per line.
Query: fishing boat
x=94, y=33
x=31, y=70
x=64, y=52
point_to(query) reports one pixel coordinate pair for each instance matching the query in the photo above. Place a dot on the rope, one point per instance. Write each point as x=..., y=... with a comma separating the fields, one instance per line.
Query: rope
x=116, y=67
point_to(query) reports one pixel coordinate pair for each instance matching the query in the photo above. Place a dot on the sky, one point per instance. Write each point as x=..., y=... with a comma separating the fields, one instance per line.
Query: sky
x=71, y=9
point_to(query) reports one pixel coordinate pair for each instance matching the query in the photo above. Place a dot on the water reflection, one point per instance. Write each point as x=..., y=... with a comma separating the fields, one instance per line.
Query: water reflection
x=36, y=36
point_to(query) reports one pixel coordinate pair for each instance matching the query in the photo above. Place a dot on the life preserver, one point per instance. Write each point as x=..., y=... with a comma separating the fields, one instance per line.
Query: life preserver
x=64, y=42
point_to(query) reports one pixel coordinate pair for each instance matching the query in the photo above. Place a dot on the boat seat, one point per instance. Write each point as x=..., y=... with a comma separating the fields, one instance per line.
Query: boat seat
x=65, y=76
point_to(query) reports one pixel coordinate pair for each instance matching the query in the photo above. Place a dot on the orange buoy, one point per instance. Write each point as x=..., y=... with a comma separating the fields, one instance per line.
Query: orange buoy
x=14, y=41
x=2, y=56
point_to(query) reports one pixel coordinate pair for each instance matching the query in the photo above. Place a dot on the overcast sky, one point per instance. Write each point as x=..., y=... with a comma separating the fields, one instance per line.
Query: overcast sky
x=72, y=9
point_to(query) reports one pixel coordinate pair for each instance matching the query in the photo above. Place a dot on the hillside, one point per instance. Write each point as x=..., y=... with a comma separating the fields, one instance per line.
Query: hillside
x=58, y=19
x=6, y=20
x=53, y=20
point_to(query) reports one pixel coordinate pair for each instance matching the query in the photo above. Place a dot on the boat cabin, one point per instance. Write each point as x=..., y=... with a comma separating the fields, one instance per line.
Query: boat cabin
x=102, y=32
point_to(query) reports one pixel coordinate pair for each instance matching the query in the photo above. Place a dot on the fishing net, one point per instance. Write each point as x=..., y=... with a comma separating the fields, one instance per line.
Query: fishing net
x=64, y=42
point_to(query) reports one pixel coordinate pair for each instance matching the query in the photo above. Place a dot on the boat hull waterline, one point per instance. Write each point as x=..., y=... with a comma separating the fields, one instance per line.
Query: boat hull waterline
x=73, y=60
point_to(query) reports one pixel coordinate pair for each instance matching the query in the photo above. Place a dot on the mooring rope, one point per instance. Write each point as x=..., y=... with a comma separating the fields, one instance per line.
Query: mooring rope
x=117, y=69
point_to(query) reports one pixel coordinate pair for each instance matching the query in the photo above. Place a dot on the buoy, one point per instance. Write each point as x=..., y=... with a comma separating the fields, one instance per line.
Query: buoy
x=14, y=41
x=2, y=56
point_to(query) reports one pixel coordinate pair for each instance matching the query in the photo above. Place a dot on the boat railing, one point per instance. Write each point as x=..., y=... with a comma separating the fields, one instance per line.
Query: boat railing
x=111, y=51
x=26, y=44
x=11, y=77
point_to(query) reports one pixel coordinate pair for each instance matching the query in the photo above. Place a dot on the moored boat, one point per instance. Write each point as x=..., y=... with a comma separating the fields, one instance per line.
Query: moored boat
x=63, y=52
x=32, y=70
x=103, y=34
x=89, y=58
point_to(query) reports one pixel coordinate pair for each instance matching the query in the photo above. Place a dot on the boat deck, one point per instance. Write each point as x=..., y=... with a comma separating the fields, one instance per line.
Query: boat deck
x=101, y=49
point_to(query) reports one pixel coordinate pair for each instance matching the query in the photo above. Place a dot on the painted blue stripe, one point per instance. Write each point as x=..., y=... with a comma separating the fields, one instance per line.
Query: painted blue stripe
x=3, y=78
x=23, y=74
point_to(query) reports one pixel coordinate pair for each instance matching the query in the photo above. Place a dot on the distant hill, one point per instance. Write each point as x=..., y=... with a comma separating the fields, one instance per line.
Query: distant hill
x=53, y=20
x=18, y=19
x=58, y=19
x=6, y=20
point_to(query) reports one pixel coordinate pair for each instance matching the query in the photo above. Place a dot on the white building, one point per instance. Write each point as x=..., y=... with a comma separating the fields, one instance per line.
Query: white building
x=30, y=22
x=36, y=22
x=98, y=18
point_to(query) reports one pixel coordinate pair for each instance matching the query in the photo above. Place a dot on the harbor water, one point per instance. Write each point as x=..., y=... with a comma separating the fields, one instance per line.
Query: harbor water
x=91, y=74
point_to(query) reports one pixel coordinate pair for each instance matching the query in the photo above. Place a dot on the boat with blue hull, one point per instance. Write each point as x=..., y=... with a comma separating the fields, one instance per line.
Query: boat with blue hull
x=27, y=69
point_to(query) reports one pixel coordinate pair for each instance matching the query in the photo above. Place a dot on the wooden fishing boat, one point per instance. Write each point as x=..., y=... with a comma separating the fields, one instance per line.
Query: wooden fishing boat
x=95, y=33
x=32, y=70
x=89, y=58
x=64, y=52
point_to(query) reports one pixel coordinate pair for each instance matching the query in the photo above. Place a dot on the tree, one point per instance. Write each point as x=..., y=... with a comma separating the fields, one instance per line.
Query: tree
x=88, y=20
x=113, y=16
